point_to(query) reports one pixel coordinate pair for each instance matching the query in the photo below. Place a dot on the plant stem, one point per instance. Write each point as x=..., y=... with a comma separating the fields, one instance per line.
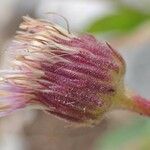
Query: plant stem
x=136, y=103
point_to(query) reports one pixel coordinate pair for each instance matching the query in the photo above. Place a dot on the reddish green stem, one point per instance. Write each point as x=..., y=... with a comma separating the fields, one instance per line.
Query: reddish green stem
x=136, y=104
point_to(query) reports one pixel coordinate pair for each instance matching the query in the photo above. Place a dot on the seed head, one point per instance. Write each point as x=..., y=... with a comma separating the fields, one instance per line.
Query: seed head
x=76, y=78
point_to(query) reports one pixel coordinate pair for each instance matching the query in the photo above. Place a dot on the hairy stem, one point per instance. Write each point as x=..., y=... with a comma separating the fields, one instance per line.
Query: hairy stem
x=136, y=104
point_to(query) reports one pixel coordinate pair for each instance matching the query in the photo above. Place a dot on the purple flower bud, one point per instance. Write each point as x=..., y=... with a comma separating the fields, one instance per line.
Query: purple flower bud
x=76, y=78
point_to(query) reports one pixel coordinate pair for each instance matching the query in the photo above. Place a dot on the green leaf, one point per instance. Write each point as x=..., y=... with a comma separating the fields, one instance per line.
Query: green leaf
x=122, y=20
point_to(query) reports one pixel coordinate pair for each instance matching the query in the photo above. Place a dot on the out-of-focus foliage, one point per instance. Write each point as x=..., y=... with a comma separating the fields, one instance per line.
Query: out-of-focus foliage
x=134, y=137
x=122, y=20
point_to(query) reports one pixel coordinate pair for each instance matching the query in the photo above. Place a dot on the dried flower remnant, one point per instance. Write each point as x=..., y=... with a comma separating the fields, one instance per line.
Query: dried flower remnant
x=73, y=77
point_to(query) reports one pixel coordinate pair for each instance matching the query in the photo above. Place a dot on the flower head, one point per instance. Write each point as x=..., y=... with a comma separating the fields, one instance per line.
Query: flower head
x=73, y=77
